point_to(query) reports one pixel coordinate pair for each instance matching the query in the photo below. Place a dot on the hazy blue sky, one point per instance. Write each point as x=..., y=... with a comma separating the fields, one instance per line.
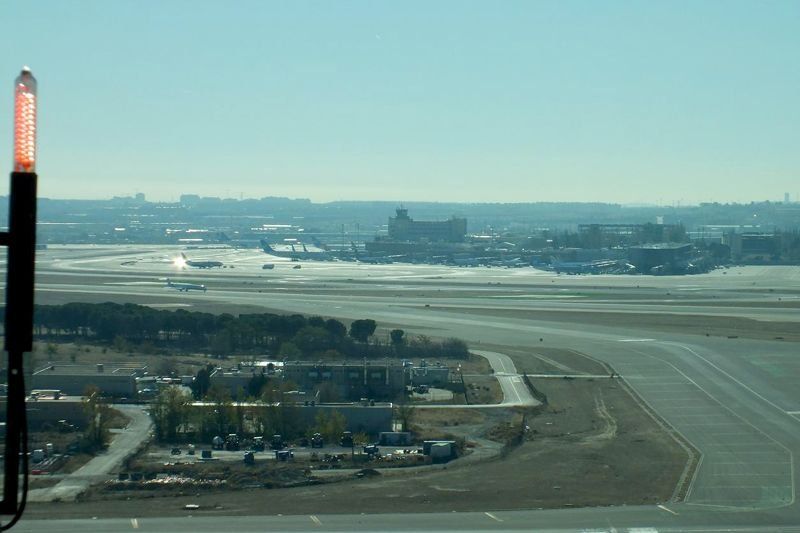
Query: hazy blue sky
x=468, y=101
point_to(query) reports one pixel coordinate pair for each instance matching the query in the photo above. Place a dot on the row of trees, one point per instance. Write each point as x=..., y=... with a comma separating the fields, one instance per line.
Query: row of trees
x=290, y=336
x=176, y=418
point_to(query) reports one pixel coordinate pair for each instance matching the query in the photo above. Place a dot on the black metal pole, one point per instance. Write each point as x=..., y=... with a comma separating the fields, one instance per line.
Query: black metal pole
x=18, y=322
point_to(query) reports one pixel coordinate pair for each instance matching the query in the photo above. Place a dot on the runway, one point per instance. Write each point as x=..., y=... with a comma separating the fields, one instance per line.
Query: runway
x=734, y=399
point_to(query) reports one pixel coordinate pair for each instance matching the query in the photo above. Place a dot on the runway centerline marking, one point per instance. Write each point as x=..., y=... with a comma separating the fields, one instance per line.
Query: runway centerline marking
x=493, y=517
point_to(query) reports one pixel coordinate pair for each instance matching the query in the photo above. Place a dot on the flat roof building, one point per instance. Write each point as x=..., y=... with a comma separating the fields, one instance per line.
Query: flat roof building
x=369, y=379
x=753, y=247
x=668, y=255
x=433, y=376
x=404, y=228
x=235, y=380
x=112, y=379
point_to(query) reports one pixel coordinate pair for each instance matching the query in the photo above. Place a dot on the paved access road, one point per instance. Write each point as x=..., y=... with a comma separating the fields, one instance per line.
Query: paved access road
x=679, y=518
x=736, y=400
x=515, y=392
x=124, y=443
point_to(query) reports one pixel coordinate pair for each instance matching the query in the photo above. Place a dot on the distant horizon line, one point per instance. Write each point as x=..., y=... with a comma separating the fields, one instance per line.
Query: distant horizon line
x=677, y=204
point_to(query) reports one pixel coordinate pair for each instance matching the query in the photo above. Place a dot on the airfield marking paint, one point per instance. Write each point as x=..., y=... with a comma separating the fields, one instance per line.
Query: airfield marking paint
x=726, y=373
x=662, y=507
x=315, y=520
x=493, y=517
x=736, y=415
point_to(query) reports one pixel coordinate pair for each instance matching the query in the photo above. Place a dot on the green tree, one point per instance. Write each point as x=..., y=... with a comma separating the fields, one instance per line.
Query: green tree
x=256, y=384
x=398, y=337
x=335, y=328
x=239, y=410
x=329, y=393
x=170, y=411
x=98, y=415
x=330, y=424
x=362, y=330
x=290, y=351
x=202, y=382
x=406, y=413
x=312, y=339
x=221, y=398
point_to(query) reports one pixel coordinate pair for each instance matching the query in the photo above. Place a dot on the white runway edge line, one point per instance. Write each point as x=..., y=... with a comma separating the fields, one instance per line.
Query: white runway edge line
x=736, y=415
x=754, y=393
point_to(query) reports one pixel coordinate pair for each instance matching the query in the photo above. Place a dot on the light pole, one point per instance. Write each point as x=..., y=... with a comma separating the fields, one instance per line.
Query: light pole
x=21, y=242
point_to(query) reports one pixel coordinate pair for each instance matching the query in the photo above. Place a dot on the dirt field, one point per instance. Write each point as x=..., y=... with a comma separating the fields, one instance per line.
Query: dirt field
x=544, y=360
x=591, y=446
x=89, y=354
x=482, y=389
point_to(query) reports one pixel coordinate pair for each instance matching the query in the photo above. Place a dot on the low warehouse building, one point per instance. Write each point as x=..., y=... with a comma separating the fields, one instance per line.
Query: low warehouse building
x=372, y=419
x=112, y=380
x=433, y=376
x=351, y=381
x=48, y=412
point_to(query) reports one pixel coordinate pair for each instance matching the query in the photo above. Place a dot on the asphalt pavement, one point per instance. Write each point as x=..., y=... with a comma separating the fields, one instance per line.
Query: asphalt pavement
x=123, y=444
x=735, y=400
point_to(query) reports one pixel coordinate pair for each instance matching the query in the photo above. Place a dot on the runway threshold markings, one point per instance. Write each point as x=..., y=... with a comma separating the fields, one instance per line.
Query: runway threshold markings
x=493, y=517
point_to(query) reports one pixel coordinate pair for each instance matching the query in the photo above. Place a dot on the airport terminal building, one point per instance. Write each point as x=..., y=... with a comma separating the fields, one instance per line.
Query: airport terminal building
x=649, y=256
x=404, y=228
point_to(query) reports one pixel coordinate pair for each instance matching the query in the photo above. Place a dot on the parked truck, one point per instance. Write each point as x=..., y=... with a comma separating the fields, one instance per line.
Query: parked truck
x=277, y=442
x=232, y=442
x=372, y=450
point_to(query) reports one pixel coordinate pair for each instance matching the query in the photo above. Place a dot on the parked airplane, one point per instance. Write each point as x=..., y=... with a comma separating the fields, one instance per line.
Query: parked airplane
x=185, y=261
x=185, y=287
x=295, y=250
